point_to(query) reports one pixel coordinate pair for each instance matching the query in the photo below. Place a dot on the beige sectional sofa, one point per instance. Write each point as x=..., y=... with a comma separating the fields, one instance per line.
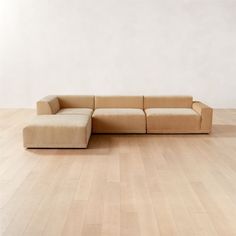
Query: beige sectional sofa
x=68, y=120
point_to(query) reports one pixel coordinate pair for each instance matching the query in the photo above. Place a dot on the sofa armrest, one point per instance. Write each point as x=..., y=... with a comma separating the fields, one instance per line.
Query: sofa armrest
x=206, y=113
x=48, y=105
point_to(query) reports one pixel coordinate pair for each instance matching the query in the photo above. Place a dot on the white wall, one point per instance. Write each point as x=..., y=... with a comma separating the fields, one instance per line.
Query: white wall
x=117, y=47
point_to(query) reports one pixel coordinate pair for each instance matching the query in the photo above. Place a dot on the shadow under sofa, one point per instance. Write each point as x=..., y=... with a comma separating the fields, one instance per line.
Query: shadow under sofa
x=68, y=120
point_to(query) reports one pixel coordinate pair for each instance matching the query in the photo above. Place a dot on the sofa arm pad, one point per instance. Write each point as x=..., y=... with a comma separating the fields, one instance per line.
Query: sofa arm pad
x=48, y=105
x=206, y=113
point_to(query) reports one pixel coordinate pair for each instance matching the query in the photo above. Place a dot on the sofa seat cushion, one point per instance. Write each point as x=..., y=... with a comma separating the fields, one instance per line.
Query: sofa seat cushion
x=75, y=111
x=119, y=120
x=172, y=120
x=56, y=131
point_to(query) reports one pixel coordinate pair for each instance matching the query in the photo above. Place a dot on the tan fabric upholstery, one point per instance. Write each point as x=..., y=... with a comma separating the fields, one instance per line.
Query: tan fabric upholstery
x=119, y=120
x=206, y=114
x=124, y=114
x=76, y=101
x=119, y=102
x=48, y=105
x=67, y=131
x=168, y=102
x=172, y=120
x=75, y=111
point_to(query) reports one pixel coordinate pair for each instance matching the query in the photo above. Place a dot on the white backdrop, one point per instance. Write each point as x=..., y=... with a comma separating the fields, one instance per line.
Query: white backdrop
x=117, y=47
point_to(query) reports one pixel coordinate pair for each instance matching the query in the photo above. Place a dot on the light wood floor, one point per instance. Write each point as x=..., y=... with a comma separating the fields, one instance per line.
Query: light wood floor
x=129, y=185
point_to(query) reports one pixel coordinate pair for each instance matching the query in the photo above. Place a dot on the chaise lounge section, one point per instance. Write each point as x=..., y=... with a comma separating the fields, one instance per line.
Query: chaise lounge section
x=66, y=131
x=63, y=121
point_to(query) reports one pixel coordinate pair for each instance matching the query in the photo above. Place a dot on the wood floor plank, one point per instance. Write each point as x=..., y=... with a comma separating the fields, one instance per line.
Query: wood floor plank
x=142, y=185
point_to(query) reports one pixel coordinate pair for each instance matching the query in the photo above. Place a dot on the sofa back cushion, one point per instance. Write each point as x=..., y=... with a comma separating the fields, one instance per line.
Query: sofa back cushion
x=119, y=102
x=76, y=101
x=168, y=102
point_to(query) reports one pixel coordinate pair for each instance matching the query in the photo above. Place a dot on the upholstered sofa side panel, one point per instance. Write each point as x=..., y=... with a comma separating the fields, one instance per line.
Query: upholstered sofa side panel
x=48, y=105
x=206, y=113
x=119, y=102
x=168, y=102
x=76, y=101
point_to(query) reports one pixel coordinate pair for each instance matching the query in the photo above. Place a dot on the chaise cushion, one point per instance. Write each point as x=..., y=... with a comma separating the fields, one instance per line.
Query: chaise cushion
x=75, y=111
x=119, y=120
x=172, y=120
x=57, y=131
